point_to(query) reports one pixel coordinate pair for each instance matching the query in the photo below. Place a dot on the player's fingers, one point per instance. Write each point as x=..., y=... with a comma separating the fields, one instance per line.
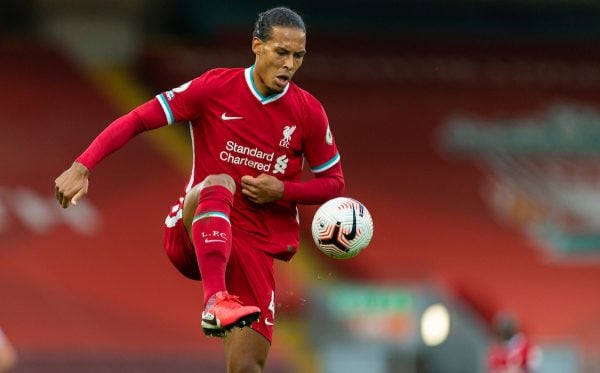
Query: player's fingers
x=78, y=196
x=250, y=194
x=251, y=188
x=65, y=199
x=59, y=195
x=248, y=180
x=61, y=198
x=252, y=198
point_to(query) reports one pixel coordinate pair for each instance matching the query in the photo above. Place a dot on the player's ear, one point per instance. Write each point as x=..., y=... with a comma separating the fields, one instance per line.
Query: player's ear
x=256, y=45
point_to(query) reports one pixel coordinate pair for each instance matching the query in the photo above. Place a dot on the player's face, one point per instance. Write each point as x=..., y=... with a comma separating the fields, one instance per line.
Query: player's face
x=278, y=58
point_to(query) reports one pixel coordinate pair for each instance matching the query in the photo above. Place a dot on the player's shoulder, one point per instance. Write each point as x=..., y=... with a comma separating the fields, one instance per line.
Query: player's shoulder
x=224, y=71
x=306, y=98
x=221, y=75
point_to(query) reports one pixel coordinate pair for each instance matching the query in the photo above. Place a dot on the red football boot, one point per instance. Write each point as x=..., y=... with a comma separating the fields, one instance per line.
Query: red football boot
x=224, y=311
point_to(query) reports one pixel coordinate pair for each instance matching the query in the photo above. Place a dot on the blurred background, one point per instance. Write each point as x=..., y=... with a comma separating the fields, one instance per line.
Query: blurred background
x=470, y=129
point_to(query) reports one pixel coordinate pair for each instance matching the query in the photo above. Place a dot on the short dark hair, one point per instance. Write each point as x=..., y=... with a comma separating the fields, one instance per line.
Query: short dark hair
x=279, y=16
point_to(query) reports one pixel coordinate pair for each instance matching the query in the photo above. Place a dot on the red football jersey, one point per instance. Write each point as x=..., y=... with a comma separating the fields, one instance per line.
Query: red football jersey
x=237, y=131
x=515, y=356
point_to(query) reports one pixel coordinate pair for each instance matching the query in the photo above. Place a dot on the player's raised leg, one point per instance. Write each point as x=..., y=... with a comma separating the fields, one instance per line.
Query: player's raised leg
x=210, y=230
x=246, y=351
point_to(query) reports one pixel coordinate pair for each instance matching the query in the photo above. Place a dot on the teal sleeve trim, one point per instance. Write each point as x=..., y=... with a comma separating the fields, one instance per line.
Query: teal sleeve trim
x=327, y=165
x=166, y=108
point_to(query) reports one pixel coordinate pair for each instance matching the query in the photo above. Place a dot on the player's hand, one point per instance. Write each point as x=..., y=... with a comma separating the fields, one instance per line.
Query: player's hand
x=71, y=185
x=262, y=189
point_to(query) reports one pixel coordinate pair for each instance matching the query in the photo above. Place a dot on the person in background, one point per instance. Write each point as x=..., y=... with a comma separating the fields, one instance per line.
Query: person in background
x=511, y=350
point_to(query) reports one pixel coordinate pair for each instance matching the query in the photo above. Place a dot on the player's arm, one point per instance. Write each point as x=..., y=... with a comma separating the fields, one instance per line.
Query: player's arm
x=321, y=153
x=178, y=104
x=325, y=186
x=267, y=188
x=72, y=184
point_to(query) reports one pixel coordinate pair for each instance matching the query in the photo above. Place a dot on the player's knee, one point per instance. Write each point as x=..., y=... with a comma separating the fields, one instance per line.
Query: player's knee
x=190, y=204
x=220, y=179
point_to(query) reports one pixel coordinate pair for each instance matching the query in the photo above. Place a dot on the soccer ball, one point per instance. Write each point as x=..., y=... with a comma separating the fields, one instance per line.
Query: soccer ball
x=342, y=227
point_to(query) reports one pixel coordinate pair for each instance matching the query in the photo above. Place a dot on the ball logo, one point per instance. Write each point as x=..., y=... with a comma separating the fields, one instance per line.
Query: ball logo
x=350, y=236
x=342, y=228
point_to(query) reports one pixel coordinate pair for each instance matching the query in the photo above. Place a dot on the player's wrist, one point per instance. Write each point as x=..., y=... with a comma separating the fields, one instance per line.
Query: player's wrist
x=80, y=168
x=279, y=190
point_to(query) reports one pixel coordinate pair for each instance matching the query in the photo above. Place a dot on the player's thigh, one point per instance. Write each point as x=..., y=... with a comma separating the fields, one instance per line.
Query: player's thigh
x=246, y=351
x=177, y=245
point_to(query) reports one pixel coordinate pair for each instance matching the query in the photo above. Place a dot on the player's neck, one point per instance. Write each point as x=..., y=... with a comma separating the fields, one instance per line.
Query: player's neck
x=259, y=85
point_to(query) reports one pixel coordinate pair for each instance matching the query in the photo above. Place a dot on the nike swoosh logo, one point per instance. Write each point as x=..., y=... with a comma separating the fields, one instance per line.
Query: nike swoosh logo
x=267, y=322
x=209, y=321
x=350, y=236
x=224, y=116
x=209, y=241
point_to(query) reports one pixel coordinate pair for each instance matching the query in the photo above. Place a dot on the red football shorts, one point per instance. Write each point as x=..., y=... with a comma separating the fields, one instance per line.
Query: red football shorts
x=249, y=273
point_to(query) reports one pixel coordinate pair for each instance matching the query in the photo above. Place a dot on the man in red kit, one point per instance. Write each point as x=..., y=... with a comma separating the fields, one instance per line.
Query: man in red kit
x=511, y=351
x=251, y=130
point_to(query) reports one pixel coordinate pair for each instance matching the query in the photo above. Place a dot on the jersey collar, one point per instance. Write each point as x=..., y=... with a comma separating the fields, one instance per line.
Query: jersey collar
x=263, y=100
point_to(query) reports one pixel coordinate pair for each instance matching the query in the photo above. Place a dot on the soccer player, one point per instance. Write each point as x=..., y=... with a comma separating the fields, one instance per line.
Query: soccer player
x=511, y=350
x=252, y=129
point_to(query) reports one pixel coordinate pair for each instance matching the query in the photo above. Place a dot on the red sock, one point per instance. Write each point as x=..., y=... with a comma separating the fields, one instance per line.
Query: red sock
x=211, y=233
